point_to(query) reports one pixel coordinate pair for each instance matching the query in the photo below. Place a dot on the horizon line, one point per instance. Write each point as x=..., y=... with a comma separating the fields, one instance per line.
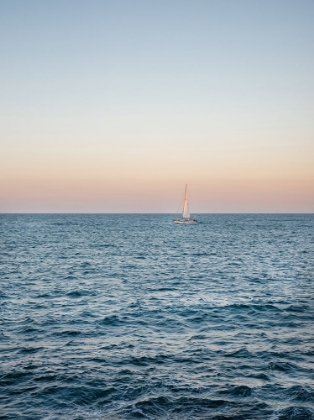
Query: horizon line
x=140, y=213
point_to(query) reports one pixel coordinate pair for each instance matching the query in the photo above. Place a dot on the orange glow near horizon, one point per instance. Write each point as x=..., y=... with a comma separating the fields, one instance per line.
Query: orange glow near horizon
x=124, y=184
x=151, y=179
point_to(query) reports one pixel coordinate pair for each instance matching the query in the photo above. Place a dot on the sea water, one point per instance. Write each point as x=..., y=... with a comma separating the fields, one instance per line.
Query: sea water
x=132, y=316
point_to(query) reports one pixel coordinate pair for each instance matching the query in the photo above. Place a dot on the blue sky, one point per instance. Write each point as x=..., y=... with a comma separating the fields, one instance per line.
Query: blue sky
x=145, y=56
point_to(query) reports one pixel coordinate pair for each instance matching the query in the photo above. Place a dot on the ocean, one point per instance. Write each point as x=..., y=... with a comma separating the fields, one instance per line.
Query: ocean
x=130, y=316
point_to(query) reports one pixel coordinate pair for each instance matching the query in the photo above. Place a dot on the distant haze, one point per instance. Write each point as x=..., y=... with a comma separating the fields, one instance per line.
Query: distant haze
x=113, y=106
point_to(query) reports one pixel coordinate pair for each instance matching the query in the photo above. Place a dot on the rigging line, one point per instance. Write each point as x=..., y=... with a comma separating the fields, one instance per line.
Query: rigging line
x=180, y=206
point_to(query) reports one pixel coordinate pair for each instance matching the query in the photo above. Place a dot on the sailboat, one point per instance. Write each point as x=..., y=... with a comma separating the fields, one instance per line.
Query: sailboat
x=186, y=216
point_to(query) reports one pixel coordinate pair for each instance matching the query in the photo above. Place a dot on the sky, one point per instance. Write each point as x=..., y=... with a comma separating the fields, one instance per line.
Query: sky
x=113, y=106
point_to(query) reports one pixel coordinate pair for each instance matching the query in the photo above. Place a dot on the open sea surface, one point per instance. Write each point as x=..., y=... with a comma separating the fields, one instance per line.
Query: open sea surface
x=112, y=316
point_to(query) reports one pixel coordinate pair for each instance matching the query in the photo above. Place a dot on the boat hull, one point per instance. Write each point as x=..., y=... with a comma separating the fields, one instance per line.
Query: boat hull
x=186, y=221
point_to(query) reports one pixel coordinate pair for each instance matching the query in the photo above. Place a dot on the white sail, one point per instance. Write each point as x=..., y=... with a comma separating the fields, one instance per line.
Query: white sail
x=186, y=211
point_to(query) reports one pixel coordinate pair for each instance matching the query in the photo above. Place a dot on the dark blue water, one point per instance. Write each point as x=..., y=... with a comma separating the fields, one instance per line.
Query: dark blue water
x=132, y=316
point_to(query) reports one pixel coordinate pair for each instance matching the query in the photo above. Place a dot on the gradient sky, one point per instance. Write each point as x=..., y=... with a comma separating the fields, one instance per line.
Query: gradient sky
x=112, y=106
